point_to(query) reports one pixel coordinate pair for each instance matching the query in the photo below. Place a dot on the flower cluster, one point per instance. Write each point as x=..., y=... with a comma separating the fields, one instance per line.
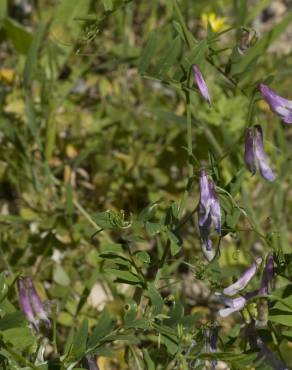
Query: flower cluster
x=254, y=156
x=238, y=303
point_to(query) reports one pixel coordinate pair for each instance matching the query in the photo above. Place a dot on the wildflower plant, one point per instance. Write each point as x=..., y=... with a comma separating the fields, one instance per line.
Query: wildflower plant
x=129, y=131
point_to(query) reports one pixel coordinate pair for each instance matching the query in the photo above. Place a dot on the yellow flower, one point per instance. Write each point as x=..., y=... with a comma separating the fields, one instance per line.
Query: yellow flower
x=7, y=75
x=217, y=23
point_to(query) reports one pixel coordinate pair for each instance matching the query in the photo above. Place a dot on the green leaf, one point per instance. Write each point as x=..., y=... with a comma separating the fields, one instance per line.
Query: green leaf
x=169, y=58
x=177, y=26
x=117, y=259
x=60, y=276
x=110, y=220
x=130, y=318
x=19, y=36
x=190, y=320
x=195, y=56
x=108, y=5
x=143, y=257
x=175, y=243
x=3, y=9
x=150, y=365
x=280, y=317
x=20, y=338
x=234, y=186
x=105, y=325
x=153, y=228
x=238, y=360
x=233, y=217
x=175, y=314
x=32, y=56
x=155, y=298
x=12, y=320
x=148, y=52
x=132, y=339
x=170, y=343
x=126, y=277
x=3, y=287
x=131, y=312
x=80, y=339
x=149, y=212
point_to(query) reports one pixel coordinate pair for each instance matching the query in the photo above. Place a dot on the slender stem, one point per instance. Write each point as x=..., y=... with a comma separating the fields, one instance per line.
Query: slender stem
x=276, y=339
x=55, y=334
x=190, y=149
x=85, y=214
x=189, y=134
x=165, y=253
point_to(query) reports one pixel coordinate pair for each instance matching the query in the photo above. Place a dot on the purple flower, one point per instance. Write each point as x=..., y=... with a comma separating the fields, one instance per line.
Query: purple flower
x=201, y=83
x=254, y=156
x=25, y=303
x=244, y=279
x=37, y=304
x=267, y=276
x=234, y=304
x=279, y=105
x=30, y=303
x=208, y=213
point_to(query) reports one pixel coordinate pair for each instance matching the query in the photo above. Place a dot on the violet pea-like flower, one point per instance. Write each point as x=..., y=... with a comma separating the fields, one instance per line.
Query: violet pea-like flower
x=208, y=213
x=201, y=83
x=281, y=106
x=244, y=279
x=234, y=304
x=25, y=303
x=37, y=304
x=254, y=156
x=31, y=304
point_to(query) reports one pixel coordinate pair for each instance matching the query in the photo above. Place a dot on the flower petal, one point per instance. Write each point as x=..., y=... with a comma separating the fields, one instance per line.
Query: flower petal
x=25, y=303
x=205, y=198
x=207, y=249
x=37, y=304
x=202, y=86
x=261, y=158
x=278, y=104
x=235, y=305
x=249, y=155
x=215, y=208
x=244, y=279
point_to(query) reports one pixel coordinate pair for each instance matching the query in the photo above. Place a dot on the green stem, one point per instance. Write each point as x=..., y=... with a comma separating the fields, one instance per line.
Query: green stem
x=276, y=339
x=85, y=214
x=55, y=334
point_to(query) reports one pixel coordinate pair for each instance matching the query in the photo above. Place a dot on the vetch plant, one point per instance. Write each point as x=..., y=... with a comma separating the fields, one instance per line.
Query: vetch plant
x=127, y=196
